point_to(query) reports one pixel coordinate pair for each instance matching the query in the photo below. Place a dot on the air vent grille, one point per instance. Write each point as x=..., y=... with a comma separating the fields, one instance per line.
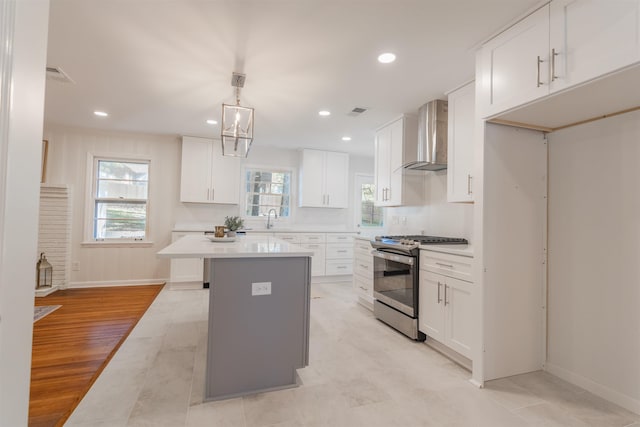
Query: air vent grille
x=57, y=74
x=356, y=111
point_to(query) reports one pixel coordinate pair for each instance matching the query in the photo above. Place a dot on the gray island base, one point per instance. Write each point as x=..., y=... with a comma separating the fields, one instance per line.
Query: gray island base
x=256, y=340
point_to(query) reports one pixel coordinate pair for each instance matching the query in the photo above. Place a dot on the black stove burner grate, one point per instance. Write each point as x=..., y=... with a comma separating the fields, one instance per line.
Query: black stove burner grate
x=426, y=240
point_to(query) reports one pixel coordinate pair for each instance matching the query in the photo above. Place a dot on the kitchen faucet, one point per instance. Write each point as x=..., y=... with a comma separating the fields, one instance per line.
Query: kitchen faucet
x=275, y=216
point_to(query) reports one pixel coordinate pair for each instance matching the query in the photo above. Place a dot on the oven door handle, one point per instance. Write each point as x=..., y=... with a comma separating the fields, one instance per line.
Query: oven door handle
x=394, y=257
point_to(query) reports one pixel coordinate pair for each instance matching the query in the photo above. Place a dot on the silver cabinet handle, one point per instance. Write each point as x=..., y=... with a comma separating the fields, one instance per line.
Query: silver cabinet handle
x=539, y=83
x=444, y=265
x=328, y=199
x=342, y=251
x=439, y=286
x=208, y=191
x=553, y=64
x=341, y=267
x=469, y=184
x=446, y=301
x=366, y=267
x=363, y=288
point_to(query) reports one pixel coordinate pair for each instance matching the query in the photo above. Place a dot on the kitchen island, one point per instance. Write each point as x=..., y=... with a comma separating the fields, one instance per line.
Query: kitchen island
x=259, y=298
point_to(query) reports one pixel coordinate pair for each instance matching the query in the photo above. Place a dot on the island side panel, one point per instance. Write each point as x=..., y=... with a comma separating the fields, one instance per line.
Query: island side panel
x=256, y=342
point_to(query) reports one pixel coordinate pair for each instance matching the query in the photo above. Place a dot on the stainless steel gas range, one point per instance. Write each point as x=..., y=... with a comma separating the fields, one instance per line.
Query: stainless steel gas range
x=395, y=279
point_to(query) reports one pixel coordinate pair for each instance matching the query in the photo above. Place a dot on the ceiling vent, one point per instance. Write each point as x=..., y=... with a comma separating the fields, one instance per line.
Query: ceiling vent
x=58, y=75
x=356, y=111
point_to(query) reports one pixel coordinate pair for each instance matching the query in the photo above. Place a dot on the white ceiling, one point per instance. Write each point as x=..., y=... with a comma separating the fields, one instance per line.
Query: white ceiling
x=164, y=66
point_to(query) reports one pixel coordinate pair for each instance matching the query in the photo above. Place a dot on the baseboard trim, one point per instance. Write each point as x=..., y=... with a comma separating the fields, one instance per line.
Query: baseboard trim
x=183, y=286
x=449, y=353
x=110, y=283
x=598, y=389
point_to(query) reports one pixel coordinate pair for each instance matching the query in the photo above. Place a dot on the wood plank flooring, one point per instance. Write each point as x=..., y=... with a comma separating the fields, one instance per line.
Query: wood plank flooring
x=72, y=345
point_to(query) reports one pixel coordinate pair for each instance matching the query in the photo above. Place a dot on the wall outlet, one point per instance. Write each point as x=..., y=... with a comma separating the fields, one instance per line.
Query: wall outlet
x=394, y=220
x=75, y=266
x=261, y=288
x=403, y=220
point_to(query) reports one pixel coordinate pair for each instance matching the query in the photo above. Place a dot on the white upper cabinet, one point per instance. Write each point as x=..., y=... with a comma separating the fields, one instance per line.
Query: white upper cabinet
x=514, y=65
x=590, y=38
x=206, y=175
x=460, y=144
x=396, y=144
x=324, y=179
x=561, y=45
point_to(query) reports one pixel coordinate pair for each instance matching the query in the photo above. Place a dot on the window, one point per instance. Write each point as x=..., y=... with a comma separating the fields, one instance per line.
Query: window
x=120, y=198
x=367, y=214
x=265, y=190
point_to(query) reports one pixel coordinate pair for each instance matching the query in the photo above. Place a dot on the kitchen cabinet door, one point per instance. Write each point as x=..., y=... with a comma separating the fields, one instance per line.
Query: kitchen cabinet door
x=460, y=144
x=317, y=259
x=396, y=143
x=431, y=309
x=337, y=179
x=590, y=38
x=383, y=165
x=195, y=175
x=514, y=66
x=207, y=176
x=458, y=312
x=324, y=179
x=186, y=272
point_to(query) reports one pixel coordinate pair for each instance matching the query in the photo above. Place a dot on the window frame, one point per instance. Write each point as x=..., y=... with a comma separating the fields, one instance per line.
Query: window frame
x=92, y=199
x=359, y=179
x=268, y=168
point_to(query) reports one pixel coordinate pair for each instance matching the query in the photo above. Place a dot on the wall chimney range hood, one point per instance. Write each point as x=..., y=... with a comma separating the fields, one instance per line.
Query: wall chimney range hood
x=432, y=137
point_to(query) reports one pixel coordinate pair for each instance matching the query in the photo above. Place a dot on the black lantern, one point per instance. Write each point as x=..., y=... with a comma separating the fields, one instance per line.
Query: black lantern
x=44, y=273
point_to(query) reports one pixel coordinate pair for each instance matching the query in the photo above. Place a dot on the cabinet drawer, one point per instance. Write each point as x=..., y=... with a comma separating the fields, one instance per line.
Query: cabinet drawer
x=312, y=238
x=363, y=267
x=362, y=286
x=339, y=238
x=447, y=264
x=289, y=237
x=339, y=251
x=339, y=267
x=362, y=247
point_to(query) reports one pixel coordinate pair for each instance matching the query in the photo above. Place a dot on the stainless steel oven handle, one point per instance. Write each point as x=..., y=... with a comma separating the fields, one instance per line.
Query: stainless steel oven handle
x=394, y=257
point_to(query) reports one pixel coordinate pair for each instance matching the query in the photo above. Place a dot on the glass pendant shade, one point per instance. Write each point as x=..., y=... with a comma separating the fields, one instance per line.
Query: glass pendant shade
x=237, y=130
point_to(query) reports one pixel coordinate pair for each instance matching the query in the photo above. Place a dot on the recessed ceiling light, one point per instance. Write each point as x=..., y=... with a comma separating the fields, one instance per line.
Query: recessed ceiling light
x=387, y=58
x=324, y=113
x=100, y=113
x=212, y=122
x=346, y=138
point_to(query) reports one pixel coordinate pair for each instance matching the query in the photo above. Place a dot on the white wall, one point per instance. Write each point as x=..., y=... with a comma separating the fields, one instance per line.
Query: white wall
x=68, y=164
x=68, y=149
x=437, y=217
x=594, y=254
x=23, y=37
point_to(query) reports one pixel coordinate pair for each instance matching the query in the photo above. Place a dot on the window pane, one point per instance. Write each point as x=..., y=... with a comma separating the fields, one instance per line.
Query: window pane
x=118, y=229
x=267, y=190
x=122, y=189
x=371, y=215
x=123, y=170
x=113, y=210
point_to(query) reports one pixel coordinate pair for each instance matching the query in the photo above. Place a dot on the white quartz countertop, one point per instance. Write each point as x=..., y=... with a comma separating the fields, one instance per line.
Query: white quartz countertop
x=463, y=250
x=257, y=246
x=277, y=229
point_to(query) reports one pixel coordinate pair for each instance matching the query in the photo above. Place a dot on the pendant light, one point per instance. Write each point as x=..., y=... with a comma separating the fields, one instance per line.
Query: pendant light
x=237, y=123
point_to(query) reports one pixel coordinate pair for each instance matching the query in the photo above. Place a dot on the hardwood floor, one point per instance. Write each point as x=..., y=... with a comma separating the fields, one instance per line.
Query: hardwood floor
x=72, y=345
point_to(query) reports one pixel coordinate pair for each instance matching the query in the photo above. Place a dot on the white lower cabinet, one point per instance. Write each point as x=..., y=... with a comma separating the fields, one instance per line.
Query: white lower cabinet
x=186, y=271
x=317, y=259
x=445, y=310
x=363, y=272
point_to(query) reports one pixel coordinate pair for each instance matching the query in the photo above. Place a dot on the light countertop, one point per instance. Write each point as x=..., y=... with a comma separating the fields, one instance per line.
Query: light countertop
x=277, y=229
x=257, y=246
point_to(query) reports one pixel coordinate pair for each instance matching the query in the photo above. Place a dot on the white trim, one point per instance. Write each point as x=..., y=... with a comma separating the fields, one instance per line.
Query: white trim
x=114, y=283
x=7, y=23
x=332, y=279
x=598, y=389
x=357, y=206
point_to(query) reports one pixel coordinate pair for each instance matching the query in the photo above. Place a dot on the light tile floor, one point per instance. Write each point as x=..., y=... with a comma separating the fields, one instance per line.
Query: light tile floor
x=361, y=373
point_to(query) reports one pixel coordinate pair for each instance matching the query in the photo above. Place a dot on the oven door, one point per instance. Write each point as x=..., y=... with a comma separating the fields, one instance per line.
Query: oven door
x=395, y=280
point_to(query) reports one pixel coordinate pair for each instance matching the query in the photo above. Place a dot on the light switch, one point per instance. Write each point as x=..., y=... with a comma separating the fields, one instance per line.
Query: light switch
x=261, y=288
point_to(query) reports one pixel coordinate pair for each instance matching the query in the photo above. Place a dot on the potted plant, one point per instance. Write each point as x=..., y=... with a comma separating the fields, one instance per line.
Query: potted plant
x=233, y=223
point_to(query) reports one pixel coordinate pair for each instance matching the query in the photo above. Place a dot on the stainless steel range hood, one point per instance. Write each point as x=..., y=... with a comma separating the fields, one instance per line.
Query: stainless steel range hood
x=432, y=137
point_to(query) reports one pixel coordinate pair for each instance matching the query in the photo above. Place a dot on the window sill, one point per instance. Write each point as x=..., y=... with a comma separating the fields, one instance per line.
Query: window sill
x=117, y=244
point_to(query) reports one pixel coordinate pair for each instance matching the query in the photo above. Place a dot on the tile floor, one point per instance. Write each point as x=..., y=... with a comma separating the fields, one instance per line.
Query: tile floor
x=361, y=373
